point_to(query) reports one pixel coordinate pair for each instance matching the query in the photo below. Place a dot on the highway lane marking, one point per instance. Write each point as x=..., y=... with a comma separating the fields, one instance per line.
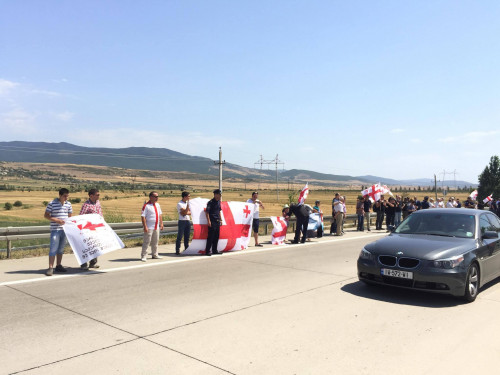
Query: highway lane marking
x=185, y=259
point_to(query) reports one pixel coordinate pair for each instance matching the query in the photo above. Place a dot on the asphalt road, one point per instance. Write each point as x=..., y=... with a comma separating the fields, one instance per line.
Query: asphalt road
x=281, y=310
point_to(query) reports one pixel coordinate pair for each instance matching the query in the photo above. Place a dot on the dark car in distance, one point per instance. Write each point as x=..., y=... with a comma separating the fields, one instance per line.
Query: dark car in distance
x=444, y=250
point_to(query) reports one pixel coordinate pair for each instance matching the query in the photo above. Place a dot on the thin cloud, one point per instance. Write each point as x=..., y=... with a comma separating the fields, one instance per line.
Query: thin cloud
x=45, y=93
x=397, y=130
x=7, y=86
x=18, y=121
x=187, y=143
x=471, y=137
x=64, y=116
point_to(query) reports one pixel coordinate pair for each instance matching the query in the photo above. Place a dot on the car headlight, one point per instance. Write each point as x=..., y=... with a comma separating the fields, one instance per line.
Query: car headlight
x=365, y=254
x=448, y=263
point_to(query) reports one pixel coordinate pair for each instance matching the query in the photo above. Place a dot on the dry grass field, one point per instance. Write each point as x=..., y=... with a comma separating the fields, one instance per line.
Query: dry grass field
x=125, y=204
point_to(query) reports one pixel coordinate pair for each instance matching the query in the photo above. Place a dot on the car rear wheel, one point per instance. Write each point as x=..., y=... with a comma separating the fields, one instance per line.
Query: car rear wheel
x=472, y=283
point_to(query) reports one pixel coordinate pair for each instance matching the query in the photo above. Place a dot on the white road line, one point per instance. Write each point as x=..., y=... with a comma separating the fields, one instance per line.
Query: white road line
x=184, y=259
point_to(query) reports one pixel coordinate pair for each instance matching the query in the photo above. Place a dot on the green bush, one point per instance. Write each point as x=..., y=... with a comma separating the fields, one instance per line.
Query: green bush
x=45, y=203
x=18, y=204
x=8, y=206
x=75, y=200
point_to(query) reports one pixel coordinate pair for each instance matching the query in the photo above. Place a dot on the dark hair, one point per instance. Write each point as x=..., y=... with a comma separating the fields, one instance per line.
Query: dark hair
x=63, y=191
x=255, y=192
x=93, y=191
x=185, y=194
x=151, y=194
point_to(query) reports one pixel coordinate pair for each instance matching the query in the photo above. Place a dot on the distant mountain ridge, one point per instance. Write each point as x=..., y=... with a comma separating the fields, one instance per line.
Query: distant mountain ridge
x=162, y=159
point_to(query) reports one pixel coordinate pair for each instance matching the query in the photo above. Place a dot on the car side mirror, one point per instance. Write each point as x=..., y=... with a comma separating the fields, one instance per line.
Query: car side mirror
x=490, y=235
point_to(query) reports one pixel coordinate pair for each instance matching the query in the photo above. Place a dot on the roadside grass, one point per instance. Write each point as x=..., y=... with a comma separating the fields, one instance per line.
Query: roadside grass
x=44, y=251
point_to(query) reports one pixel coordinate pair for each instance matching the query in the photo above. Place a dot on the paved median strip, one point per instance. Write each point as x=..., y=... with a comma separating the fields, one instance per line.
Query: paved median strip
x=187, y=259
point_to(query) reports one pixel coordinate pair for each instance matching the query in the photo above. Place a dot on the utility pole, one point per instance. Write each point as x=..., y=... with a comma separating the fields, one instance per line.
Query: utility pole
x=276, y=162
x=220, y=163
x=455, y=178
x=435, y=188
x=261, y=161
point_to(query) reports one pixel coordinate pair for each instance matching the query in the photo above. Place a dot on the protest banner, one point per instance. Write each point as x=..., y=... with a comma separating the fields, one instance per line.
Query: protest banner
x=90, y=236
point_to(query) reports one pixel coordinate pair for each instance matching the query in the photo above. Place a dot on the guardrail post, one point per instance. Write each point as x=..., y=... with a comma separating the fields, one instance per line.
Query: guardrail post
x=9, y=248
x=265, y=229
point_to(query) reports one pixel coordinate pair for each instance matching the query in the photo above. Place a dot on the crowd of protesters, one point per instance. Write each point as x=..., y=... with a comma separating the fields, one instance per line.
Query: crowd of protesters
x=395, y=209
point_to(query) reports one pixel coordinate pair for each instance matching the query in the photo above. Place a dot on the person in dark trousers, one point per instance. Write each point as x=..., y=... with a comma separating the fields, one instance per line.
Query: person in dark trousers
x=302, y=215
x=390, y=212
x=367, y=207
x=213, y=220
x=379, y=209
x=183, y=224
x=360, y=211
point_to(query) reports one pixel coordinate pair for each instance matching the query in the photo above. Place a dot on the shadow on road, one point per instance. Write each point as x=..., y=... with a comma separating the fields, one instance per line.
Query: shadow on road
x=401, y=296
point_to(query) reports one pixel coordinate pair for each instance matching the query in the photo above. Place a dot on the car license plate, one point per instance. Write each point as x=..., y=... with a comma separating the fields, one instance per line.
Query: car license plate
x=397, y=273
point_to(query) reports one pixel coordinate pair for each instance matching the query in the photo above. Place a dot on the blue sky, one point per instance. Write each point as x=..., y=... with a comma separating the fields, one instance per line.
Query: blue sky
x=391, y=88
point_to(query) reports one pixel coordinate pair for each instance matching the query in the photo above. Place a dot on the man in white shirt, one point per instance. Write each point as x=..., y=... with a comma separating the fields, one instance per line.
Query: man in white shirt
x=152, y=223
x=449, y=204
x=183, y=225
x=255, y=223
x=440, y=203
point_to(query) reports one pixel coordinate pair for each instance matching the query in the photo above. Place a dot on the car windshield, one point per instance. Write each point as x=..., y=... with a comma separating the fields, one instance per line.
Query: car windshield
x=439, y=224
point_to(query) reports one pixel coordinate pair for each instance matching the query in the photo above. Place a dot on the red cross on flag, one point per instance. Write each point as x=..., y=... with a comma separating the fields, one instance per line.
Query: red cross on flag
x=234, y=231
x=278, y=234
x=375, y=191
x=303, y=194
x=488, y=198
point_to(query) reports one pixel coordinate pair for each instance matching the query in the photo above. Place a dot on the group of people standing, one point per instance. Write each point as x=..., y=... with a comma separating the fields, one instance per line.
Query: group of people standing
x=57, y=212
x=395, y=209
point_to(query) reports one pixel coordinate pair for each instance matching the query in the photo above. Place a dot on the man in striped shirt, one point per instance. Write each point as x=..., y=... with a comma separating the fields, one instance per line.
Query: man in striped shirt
x=91, y=206
x=57, y=212
x=152, y=223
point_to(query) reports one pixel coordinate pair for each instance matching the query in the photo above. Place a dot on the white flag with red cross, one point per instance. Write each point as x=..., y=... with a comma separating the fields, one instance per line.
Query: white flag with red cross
x=90, y=236
x=235, y=229
x=280, y=226
x=473, y=195
x=488, y=199
x=375, y=191
x=303, y=194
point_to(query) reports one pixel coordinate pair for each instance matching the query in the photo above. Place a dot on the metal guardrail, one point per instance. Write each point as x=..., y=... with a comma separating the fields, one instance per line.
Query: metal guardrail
x=10, y=234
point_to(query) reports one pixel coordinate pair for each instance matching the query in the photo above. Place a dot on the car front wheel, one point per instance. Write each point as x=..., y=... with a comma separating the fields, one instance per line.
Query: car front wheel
x=472, y=283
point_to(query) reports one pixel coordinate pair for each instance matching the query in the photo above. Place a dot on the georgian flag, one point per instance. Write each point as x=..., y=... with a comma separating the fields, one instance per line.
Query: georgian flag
x=235, y=228
x=375, y=191
x=303, y=194
x=280, y=226
x=488, y=199
x=473, y=195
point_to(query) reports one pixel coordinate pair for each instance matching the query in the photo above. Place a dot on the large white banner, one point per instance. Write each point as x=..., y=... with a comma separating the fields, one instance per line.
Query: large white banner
x=235, y=229
x=280, y=226
x=90, y=236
